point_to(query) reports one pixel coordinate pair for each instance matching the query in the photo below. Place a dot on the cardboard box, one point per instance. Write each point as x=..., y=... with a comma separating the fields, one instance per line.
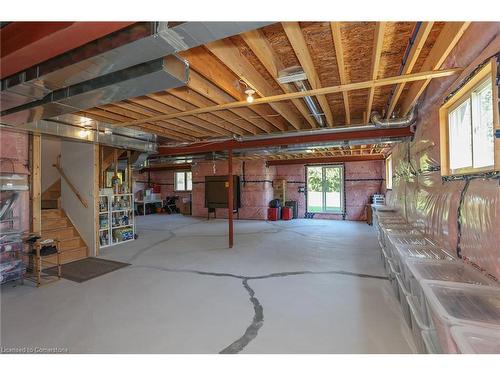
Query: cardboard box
x=279, y=190
x=185, y=208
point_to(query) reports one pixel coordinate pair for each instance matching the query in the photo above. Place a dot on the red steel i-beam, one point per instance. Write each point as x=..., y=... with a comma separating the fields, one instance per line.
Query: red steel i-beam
x=325, y=159
x=230, y=196
x=199, y=148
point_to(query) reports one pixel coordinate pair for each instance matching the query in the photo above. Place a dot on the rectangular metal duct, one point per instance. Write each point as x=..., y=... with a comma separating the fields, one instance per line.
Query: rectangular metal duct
x=130, y=140
x=152, y=76
x=138, y=43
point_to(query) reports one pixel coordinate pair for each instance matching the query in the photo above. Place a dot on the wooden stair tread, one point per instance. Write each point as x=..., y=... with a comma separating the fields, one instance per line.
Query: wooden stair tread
x=58, y=210
x=56, y=224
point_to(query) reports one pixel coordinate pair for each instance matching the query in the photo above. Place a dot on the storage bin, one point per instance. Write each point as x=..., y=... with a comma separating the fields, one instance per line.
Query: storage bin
x=392, y=278
x=418, y=324
x=403, y=294
x=406, y=252
x=394, y=228
x=442, y=270
x=476, y=340
x=431, y=342
x=385, y=260
x=395, y=240
x=451, y=304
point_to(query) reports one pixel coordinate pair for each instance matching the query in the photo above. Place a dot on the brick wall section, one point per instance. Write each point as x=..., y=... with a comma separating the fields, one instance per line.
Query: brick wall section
x=256, y=187
x=368, y=176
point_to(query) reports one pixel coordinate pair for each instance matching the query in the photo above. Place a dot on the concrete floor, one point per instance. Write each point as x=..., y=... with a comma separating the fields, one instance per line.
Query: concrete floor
x=303, y=286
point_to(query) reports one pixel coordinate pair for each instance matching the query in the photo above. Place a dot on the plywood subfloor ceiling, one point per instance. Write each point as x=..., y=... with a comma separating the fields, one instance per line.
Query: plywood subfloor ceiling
x=329, y=53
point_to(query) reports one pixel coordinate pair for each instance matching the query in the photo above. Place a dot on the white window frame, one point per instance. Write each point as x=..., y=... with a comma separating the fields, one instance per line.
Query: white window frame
x=483, y=77
x=389, y=168
x=324, y=210
x=184, y=188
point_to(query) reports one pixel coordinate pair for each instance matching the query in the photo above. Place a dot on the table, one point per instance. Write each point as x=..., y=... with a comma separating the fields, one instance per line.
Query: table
x=145, y=202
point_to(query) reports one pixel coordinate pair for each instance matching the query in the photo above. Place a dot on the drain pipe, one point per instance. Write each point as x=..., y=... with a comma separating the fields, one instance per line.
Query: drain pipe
x=382, y=123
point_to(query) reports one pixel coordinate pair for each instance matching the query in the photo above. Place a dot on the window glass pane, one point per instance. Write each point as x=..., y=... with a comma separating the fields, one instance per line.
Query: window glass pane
x=459, y=122
x=333, y=189
x=482, y=127
x=179, y=181
x=189, y=181
x=314, y=189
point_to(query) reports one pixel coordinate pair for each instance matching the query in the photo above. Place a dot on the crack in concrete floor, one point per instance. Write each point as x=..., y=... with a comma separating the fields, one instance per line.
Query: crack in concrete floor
x=258, y=319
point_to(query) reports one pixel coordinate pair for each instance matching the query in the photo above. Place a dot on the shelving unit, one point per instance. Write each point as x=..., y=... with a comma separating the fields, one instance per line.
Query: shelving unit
x=12, y=267
x=116, y=219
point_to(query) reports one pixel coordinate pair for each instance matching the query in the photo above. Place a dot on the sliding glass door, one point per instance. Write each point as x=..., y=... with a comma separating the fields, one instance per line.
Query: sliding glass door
x=325, y=188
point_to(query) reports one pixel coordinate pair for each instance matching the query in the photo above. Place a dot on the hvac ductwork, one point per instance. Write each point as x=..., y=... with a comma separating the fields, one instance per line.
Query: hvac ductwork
x=87, y=130
x=403, y=122
x=152, y=76
x=296, y=76
x=133, y=45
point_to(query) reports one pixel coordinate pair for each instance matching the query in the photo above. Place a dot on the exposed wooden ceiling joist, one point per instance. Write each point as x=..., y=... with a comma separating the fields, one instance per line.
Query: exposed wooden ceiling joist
x=377, y=50
x=106, y=117
x=244, y=117
x=117, y=113
x=226, y=119
x=261, y=47
x=296, y=38
x=417, y=46
x=339, y=53
x=179, y=105
x=189, y=122
x=323, y=91
x=446, y=41
x=214, y=71
x=229, y=54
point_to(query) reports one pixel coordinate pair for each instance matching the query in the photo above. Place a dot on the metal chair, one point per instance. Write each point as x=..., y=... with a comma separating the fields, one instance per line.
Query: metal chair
x=170, y=204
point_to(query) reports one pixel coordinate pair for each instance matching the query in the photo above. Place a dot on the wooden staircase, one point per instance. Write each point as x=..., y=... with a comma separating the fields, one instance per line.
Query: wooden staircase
x=51, y=198
x=56, y=225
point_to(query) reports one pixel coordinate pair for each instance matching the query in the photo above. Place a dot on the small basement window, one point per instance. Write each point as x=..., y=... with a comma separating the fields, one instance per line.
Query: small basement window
x=468, y=122
x=388, y=172
x=183, y=181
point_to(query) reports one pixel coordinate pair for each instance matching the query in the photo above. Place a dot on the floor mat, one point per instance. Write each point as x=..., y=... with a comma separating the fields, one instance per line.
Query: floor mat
x=86, y=269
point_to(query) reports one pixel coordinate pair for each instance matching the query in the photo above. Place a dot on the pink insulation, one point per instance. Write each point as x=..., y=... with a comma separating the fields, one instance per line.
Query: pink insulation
x=424, y=198
x=256, y=188
x=296, y=176
x=363, y=179
x=14, y=146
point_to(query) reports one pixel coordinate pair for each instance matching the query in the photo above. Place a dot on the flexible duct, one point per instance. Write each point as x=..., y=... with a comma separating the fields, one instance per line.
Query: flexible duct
x=402, y=122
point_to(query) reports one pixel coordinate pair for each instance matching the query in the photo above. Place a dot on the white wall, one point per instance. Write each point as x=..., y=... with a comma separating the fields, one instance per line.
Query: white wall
x=51, y=148
x=77, y=160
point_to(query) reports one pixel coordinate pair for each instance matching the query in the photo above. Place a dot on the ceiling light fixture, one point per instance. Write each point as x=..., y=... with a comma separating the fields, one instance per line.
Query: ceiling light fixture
x=83, y=133
x=250, y=93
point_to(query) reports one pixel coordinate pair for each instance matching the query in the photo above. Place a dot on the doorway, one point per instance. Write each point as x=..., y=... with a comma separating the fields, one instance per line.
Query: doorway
x=325, y=189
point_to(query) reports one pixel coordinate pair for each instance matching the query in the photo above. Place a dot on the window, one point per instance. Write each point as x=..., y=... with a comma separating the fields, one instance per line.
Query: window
x=468, y=121
x=325, y=188
x=388, y=172
x=183, y=181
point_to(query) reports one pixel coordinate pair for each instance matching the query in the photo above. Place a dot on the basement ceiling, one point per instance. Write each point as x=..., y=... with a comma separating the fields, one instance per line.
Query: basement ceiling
x=221, y=70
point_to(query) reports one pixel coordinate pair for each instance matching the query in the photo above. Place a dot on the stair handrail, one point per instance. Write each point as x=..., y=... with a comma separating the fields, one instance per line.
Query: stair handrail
x=70, y=184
